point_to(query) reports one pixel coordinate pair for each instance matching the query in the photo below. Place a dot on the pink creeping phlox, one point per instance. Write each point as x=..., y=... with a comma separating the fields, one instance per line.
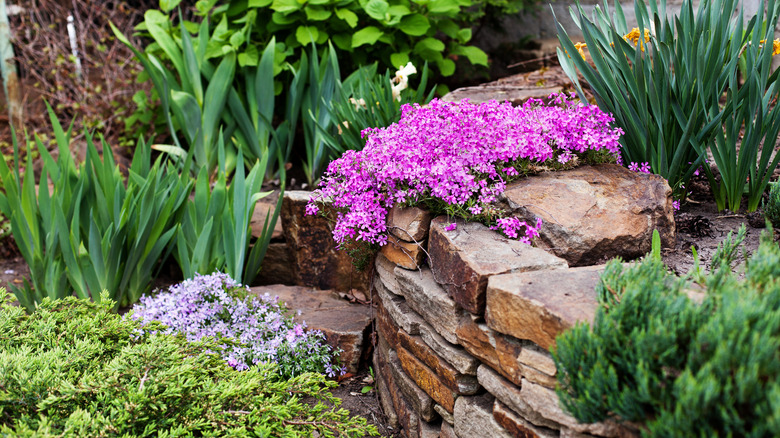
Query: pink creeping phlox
x=460, y=153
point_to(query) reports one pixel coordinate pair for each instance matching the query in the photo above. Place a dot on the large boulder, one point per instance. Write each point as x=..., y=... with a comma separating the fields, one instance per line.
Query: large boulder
x=594, y=213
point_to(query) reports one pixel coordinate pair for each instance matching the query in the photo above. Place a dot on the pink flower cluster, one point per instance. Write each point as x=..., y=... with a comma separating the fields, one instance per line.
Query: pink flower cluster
x=459, y=153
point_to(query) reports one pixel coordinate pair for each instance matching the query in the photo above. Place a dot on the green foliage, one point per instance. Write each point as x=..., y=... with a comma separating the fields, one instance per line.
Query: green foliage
x=665, y=92
x=365, y=100
x=751, y=118
x=391, y=31
x=681, y=367
x=772, y=206
x=215, y=232
x=72, y=368
x=90, y=231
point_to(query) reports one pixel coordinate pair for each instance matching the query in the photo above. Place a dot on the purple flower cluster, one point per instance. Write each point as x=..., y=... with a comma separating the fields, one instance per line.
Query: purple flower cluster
x=637, y=167
x=217, y=306
x=462, y=154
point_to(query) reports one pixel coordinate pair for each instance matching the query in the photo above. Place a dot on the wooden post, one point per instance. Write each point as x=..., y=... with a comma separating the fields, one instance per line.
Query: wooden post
x=11, y=86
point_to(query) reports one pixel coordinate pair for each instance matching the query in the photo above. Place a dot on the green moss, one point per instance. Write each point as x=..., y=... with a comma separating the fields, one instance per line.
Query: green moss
x=72, y=368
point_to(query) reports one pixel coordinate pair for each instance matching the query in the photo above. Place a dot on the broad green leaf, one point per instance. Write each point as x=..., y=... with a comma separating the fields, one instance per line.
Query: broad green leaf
x=464, y=35
x=414, y=25
x=237, y=39
x=286, y=6
x=348, y=16
x=249, y=57
x=399, y=10
x=446, y=67
x=283, y=18
x=474, y=54
x=168, y=5
x=367, y=35
x=429, y=44
x=306, y=34
x=443, y=7
x=399, y=59
x=259, y=3
x=343, y=41
x=317, y=14
x=221, y=31
x=187, y=111
x=376, y=9
x=448, y=27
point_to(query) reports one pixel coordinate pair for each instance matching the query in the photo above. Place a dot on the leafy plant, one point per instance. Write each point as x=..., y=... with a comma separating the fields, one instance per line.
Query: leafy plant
x=663, y=86
x=681, y=368
x=752, y=119
x=217, y=306
x=772, y=205
x=196, y=109
x=73, y=368
x=392, y=31
x=90, y=231
x=367, y=100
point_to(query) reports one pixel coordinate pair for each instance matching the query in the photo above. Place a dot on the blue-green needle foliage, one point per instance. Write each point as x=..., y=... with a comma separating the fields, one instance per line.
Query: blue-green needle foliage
x=683, y=367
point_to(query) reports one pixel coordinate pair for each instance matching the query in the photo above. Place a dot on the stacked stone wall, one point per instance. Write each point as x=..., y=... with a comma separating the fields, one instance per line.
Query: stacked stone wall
x=466, y=319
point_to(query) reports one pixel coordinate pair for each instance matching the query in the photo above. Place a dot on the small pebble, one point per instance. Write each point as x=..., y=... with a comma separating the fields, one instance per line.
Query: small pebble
x=9, y=271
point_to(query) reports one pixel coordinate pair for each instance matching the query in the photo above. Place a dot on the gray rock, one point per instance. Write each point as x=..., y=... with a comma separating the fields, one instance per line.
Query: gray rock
x=424, y=295
x=474, y=418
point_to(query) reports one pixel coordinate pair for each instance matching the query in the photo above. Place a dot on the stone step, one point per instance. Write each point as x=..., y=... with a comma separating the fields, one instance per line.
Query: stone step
x=346, y=325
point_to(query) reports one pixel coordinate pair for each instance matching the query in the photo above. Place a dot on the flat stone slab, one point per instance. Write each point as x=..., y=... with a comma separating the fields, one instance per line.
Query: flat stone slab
x=463, y=259
x=474, y=418
x=345, y=325
x=426, y=297
x=407, y=255
x=518, y=95
x=594, y=213
x=537, y=306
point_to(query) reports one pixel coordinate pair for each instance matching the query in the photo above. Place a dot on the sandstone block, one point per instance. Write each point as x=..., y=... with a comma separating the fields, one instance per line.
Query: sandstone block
x=460, y=383
x=544, y=402
x=410, y=224
x=494, y=349
x=424, y=295
x=463, y=259
x=518, y=95
x=427, y=380
x=510, y=395
x=429, y=430
x=345, y=325
x=419, y=399
x=386, y=273
x=316, y=261
x=455, y=355
x=398, y=311
x=382, y=389
x=446, y=416
x=404, y=254
x=517, y=426
x=405, y=413
x=539, y=359
x=474, y=418
x=277, y=266
x=264, y=208
x=537, y=306
x=594, y=213
x=447, y=431
x=386, y=328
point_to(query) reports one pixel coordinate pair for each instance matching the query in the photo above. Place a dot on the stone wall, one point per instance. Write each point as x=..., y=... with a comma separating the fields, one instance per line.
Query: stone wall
x=466, y=318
